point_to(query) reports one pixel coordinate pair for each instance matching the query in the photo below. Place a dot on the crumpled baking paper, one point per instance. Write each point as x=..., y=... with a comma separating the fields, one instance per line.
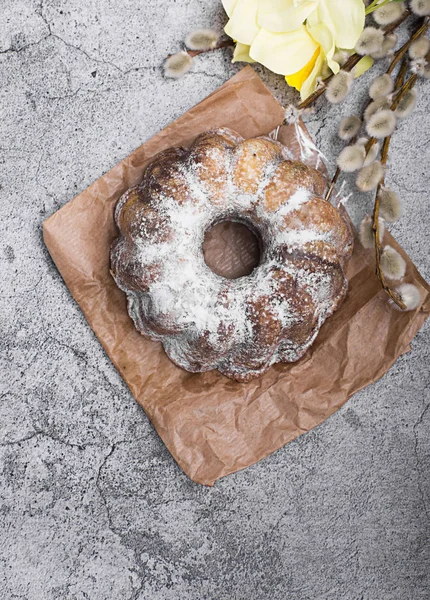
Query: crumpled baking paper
x=212, y=425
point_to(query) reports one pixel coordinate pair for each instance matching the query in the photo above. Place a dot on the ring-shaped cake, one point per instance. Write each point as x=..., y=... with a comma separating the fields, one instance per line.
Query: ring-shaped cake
x=204, y=321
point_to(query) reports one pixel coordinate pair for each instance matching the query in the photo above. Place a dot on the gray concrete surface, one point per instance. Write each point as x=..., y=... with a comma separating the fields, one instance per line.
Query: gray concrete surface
x=92, y=506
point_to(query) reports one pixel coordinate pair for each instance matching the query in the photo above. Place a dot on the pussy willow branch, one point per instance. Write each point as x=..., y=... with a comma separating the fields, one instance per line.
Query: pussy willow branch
x=376, y=234
x=349, y=65
x=396, y=101
x=402, y=87
x=399, y=83
x=402, y=51
x=193, y=53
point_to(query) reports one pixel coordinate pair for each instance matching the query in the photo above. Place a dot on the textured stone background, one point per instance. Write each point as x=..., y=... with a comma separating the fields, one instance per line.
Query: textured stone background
x=92, y=506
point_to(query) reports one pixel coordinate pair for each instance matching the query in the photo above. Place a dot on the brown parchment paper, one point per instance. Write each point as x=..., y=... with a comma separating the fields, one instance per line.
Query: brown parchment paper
x=214, y=426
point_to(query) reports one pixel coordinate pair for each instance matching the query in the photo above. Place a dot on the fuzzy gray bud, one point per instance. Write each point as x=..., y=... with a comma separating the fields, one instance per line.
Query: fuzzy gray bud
x=370, y=41
x=349, y=127
x=389, y=13
x=372, y=155
x=369, y=177
x=202, y=39
x=390, y=207
x=177, y=65
x=410, y=296
x=381, y=86
x=419, y=48
x=381, y=124
x=421, y=7
x=351, y=158
x=392, y=264
x=339, y=86
x=388, y=45
x=365, y=232
x=382, y=103
x=407, y=104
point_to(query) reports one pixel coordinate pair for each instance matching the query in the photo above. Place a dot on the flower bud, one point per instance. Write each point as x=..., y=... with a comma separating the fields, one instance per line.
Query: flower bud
x=407, y=104
x=382, y=103
x=389, y=13
x=420, y=7
x=202, y=39
x=381, y=86
x=370, y=40
x=419, y=48
x=369, y=177
x=392, y=264
x=390, y=207
x=351, y=158
x=409, y=295
x=338, y=87
x=381, y=124
x=365, y=232
x=388, y=45
x=349, y=127
x=177, y=65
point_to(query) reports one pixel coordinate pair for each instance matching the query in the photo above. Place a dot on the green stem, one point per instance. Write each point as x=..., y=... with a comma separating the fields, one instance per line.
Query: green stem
x=372, y=7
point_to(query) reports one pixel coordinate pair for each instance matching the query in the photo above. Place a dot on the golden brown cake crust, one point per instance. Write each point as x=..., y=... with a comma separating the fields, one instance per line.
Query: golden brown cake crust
x=240, y=327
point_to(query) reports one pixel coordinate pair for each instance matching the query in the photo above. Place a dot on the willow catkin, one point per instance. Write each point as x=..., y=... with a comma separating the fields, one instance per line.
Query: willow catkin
x=177, y=65
x=339, y=86
x=381, y=86
x=202, y=39
x=389, y=13
x=370, y=41
x=407, y=104
x=369, y=177
x=351, y=158
x=381, y=124
x=409, y=294
x=365, y=232
x=349, y=127
x=392, y=264
x=390, y=206
x=420, y=7
x=387, y=48
x=382, y=103
x=419, y=48
x=372, y=155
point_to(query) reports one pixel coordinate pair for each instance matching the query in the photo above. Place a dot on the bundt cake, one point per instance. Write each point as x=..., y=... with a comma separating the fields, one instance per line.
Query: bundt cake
x=204, y=321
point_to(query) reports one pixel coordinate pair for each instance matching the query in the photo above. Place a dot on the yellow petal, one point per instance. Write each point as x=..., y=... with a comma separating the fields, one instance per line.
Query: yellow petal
x=296, y=80
x=242, y=25
x=241, y=53
x=345, y=20
x=283, y=53
x=362, y=66
x=229, y=6
x=282, y=16
x=323, y=36
x=310, y=85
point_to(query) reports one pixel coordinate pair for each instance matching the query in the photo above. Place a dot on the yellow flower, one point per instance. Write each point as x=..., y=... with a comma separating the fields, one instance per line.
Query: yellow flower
x=295, y=38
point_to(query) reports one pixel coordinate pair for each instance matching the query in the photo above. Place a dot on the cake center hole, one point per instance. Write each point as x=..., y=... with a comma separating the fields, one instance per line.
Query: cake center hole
x=231, y=250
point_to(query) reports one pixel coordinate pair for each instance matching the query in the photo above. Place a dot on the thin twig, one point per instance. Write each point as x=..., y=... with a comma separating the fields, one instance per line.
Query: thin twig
x=376, y=234
x=333, y=183
x=402, y=87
